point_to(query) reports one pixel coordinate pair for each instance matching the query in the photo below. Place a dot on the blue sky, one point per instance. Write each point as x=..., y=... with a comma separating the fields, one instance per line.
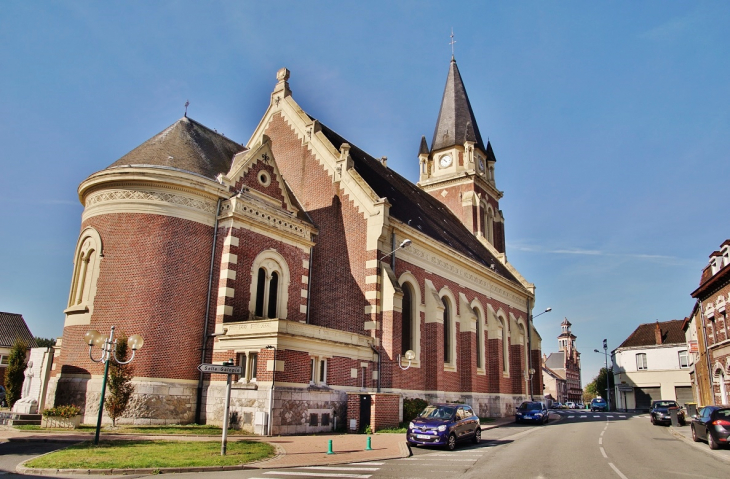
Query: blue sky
x=609, y=121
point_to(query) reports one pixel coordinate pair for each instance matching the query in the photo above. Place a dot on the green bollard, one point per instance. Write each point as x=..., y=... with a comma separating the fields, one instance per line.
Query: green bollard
x=367, y=447
x=329, y=447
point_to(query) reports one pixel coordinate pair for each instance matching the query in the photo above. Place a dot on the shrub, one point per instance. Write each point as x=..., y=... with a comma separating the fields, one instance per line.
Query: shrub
x=14, y=374
x=66, y=412
x=411, y=408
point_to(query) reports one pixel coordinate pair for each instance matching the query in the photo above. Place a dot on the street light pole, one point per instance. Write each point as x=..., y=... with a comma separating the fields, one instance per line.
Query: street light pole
x=108, y=353
x=608, y=389
x=529, y=345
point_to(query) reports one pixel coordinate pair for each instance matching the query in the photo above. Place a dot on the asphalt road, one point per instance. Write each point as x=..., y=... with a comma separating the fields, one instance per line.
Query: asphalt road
x=575, y=444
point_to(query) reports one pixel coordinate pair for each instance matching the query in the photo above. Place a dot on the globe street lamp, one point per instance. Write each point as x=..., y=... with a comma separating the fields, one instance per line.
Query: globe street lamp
x=608, y=390
x=529, y=346
x=528, y=378
x=108, y=352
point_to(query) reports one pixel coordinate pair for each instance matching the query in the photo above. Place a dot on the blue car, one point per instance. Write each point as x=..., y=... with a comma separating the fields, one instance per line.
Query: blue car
x=599, y=404
x=444, y=425
x=532, y=411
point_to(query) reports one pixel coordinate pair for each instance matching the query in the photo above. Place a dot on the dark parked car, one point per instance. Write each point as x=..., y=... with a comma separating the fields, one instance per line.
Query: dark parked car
x=444, y=425
x=3, y=401
x=660, y=413
x=532, y=411
x=712, y=424
x=599, y=404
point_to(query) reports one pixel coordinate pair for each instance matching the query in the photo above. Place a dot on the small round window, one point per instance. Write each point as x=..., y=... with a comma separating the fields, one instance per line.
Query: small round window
x=264, y=178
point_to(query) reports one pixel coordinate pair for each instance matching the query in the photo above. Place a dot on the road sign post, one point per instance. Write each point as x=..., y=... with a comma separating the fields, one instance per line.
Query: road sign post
x=228, y=369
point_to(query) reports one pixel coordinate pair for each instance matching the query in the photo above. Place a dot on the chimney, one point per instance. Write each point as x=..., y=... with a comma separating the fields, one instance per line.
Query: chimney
x=658, y=333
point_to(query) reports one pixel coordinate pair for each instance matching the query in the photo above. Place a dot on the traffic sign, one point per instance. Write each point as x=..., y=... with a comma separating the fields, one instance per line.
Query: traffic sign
x=220, y=369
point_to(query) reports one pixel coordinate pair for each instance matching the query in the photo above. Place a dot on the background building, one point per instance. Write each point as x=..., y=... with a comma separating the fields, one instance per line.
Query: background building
x=12, y=328
x=652, y=364
x=284, y=256
x=712, y=295
x=566, y=364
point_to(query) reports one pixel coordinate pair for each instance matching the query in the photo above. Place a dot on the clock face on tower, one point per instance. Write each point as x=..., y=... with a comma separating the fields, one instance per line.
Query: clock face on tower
x=481, y=164
x=445, y=161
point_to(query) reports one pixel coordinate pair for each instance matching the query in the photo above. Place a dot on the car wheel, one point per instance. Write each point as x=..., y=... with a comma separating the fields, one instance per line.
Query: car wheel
x=694, y=434
x=451, y=443
x=711, y=441
x=477, y=436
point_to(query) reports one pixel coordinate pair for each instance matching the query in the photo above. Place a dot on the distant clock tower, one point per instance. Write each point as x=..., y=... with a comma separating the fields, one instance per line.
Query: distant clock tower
x=458, y=169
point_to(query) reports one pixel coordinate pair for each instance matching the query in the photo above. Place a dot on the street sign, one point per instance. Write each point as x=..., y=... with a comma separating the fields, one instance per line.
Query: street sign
x=693, y=346
x=220, y=369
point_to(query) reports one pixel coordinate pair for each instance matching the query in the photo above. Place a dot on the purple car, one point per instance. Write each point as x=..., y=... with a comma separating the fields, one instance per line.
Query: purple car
x=444, y=425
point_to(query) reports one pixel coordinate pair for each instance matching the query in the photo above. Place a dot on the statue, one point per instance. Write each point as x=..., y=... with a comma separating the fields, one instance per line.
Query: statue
x=28, y=380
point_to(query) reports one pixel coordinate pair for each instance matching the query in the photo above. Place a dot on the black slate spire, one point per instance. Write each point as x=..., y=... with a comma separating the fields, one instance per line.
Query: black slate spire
x=423, y=150
x=456, y=123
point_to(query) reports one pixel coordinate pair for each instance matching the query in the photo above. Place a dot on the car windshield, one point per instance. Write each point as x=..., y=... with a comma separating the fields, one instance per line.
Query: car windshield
x=438, y=412
x=665, y=404
x=530, y=406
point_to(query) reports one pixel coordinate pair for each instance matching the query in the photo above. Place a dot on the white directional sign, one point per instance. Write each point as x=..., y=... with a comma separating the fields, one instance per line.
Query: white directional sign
x=220, y=369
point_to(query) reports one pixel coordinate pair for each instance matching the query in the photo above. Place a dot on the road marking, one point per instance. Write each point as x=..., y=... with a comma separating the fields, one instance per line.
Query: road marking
x=623, y=417
x=603, y=432
x=584, y=416
x=603, y=451
x=334, y=468
x=615, y=469
x=367, y=463
x=600, y=441
x=321, y=474
x=596, y=415
x=570, y=417
x=610, y=415
x=446, y=460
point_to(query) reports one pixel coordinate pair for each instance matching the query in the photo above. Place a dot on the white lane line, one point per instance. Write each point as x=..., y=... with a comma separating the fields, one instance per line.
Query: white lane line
x=584, y=416
x=603, y=432
x=615, y=469
x=596, y=415
x=600, y=441
x=445, y=460
x=603, y=451
x=623, y=417
x=370, y=463
x=341, y=468
x=610, y=415
x=320, y=474
x=570, y=417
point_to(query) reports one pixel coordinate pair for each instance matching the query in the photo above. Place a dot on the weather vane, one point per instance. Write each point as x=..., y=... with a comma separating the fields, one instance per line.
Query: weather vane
x=187, y=102
x=452, y=43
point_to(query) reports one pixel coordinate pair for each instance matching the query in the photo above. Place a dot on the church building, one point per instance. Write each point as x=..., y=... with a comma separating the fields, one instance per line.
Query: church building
x=309, y=263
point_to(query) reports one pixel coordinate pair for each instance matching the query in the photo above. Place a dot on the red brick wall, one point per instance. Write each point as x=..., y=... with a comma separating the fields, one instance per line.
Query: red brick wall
x=153, y=281
x=338, y=271
x=384, y=411
x=251, y=180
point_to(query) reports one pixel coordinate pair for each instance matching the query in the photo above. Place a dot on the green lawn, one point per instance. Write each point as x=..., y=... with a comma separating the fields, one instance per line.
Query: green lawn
x=152, y=454
x=192, y=429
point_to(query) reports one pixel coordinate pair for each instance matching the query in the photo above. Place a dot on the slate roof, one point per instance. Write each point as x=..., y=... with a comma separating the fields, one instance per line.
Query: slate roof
x=416, y=208
x=672, y=333
x=186, y=145
x=12, y=327
x=556, y=361
x=456, y=123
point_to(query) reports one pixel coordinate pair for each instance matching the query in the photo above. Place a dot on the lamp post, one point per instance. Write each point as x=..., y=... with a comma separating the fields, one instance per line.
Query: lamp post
x=608, y=390
x=271, y=393
x=108, y=353
x=528, y=379
x=529, y=345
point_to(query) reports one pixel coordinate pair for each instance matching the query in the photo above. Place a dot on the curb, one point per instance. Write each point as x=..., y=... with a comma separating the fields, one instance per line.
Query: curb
x=699, y=445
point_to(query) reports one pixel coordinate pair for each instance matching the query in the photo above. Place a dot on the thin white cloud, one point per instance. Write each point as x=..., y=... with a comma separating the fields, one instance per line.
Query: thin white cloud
x=591, y=252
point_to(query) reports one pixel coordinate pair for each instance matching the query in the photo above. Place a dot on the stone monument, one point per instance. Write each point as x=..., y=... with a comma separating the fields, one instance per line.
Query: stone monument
x=32, y=384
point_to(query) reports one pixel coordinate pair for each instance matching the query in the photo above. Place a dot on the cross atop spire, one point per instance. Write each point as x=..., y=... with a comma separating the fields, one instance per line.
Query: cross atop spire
x=452, y=43
x=187, y=103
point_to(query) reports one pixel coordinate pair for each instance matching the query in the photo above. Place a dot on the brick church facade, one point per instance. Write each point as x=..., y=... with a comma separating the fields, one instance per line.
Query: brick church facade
x=277, y=254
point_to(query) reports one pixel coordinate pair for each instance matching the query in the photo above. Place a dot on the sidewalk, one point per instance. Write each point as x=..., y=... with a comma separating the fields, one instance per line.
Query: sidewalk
x=685, y=433
x=292, y=451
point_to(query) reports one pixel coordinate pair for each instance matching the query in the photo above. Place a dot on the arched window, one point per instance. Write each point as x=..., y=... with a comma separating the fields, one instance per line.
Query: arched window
x=447, y=331
x=407, y=319
x=480, y=340
x=269, y=286
x=83, y=283
x=505, y=344
x=489, y=225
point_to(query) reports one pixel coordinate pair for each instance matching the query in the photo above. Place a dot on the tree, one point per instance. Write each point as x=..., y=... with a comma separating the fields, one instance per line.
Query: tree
x=45, y=342
x=14, y=376
x=598, y=386
x=120, y=382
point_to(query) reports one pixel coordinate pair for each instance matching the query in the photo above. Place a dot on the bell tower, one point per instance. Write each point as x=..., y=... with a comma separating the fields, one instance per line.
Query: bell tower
x=458, y=168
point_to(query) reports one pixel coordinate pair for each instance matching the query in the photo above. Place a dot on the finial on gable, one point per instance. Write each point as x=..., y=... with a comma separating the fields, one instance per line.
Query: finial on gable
x=281, y=89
